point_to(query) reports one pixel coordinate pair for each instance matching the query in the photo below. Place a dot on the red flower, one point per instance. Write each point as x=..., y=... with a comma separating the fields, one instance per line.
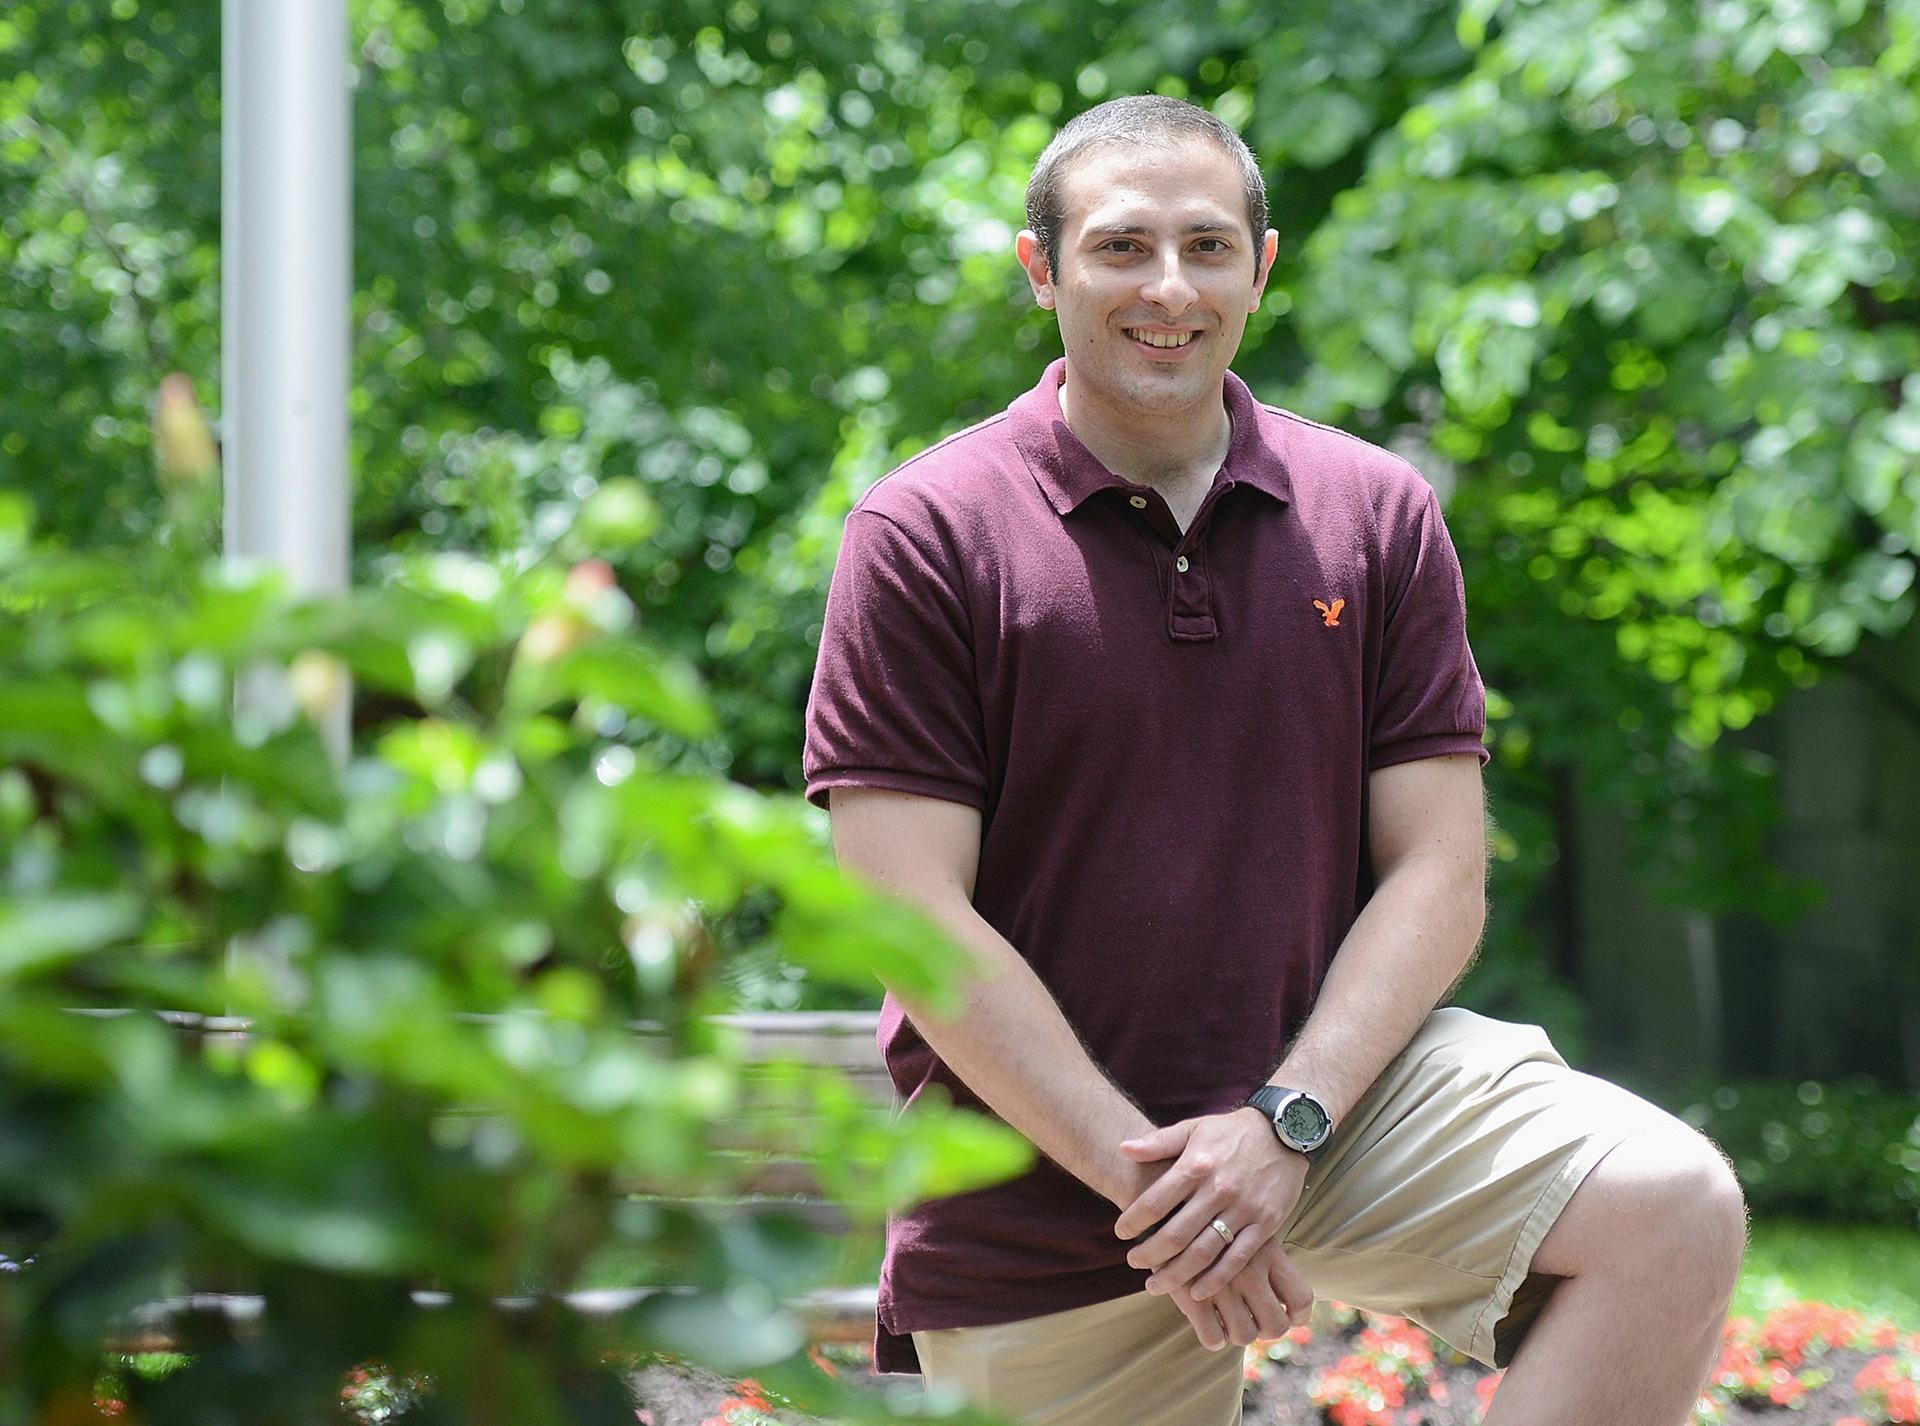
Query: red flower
x=1793, y=1332
x=1739, y=1369
x=1786, y=1389
x=1887, y=1384
x=1357, y=1391
x=753, y=1394
x=1394, y=1337
x=1484, y=1389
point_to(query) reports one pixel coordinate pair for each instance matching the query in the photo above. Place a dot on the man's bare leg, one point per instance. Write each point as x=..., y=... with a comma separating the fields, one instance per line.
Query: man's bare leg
x=1650, y=1246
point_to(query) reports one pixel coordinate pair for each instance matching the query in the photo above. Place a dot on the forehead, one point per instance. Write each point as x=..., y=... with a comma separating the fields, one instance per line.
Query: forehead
x=1180, y=183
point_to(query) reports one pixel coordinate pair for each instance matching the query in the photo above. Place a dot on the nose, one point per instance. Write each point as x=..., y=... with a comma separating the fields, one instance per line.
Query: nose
x=1167, y=286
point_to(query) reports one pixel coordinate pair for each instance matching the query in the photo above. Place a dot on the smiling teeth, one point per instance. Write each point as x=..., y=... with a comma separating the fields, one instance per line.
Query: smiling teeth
x=1163, y=339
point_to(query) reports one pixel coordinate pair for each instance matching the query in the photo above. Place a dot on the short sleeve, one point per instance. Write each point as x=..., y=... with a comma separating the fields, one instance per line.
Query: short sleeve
x=895, y=701
x=1429, y=700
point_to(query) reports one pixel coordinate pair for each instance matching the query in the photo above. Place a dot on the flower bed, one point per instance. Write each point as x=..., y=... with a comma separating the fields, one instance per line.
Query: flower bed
x=1806, y=1364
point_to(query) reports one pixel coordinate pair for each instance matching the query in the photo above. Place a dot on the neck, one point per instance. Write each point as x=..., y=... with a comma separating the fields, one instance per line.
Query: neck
x=1154, y=448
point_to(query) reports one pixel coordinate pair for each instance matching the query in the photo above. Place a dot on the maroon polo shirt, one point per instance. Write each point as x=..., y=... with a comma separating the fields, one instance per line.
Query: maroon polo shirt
x=1168, y=738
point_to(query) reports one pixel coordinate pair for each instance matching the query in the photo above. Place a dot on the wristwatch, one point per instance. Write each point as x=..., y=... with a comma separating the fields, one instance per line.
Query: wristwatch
x=1300, y=1119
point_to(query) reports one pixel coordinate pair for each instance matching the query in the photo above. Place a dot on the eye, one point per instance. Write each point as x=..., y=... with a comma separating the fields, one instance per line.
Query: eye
x=1213, y=246
x=1115, y=245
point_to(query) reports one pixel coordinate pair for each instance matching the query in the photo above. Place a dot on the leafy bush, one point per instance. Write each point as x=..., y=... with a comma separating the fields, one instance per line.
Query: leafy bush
x=1849, y=1150
x=438, y=952
x=1637, y=285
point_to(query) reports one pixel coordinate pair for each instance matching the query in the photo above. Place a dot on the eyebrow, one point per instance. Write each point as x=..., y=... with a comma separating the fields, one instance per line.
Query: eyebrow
x=1134, y=230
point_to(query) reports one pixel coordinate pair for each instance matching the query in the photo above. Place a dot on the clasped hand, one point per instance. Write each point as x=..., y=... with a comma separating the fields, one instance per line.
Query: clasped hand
x=1228, y=1167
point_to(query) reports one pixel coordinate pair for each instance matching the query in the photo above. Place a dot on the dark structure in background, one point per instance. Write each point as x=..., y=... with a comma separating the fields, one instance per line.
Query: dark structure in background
x=1673, y=993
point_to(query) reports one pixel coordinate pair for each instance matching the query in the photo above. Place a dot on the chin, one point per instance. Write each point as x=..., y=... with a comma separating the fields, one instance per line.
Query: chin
x=1174, y=391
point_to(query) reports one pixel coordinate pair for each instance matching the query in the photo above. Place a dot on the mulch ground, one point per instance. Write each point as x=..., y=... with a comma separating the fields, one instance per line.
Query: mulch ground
x=1803, y=1365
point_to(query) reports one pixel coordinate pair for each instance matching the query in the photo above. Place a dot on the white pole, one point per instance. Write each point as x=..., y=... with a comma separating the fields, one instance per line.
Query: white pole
x=286, y=276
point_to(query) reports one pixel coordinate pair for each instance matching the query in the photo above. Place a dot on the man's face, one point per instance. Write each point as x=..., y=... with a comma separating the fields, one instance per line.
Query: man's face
x=1156, y=274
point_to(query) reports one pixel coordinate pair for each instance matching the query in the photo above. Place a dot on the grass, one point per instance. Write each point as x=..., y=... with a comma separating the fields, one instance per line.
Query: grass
x=1871, y=1269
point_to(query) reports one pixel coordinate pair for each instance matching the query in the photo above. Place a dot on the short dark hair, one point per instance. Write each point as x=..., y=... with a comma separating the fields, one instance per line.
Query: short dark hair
x=1137, y=119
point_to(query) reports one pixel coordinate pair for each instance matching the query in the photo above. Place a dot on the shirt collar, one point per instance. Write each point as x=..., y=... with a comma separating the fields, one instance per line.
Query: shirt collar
x=1069, y=473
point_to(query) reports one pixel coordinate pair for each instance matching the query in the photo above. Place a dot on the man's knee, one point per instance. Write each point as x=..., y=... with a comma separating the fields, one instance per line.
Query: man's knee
x=1665, y=1203
x=1716, y=1203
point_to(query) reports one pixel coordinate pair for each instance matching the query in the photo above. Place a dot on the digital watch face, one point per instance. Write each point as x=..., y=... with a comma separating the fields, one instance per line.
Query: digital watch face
x=1301, y=1122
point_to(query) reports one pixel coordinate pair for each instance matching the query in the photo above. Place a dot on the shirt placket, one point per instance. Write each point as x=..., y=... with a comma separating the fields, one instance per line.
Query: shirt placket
x=1190, y=613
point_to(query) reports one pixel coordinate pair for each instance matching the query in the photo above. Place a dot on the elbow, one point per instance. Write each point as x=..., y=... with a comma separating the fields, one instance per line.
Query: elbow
x=1474, y=904
x=1470, y=912
x=950, y=913
x=1470, y=903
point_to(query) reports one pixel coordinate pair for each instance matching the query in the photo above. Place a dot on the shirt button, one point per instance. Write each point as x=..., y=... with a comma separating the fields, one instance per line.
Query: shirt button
x=1138, y=502
x=1181, y=564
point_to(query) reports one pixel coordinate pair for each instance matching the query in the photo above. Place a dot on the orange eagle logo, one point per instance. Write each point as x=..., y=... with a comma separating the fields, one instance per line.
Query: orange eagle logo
x=1331, y=612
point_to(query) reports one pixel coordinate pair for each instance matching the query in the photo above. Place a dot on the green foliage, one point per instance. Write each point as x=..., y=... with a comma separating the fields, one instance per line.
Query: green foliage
x=440, y=952
x=1636, y=282
x=1648, y=279
x=669, y=285
x=1847, y=1151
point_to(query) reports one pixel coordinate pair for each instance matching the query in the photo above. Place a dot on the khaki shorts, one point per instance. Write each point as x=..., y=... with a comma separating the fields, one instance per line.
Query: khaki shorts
x=1428, y=1203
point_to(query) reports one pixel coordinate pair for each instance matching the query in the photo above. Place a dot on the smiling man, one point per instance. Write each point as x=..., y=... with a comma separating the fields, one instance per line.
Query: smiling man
x=1159, y=700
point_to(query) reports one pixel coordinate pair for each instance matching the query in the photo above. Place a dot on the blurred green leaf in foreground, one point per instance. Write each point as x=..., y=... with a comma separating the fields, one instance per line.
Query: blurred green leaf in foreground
x=440, y=952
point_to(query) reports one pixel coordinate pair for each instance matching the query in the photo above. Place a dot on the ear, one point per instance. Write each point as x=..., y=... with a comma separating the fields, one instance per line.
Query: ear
x=1269, y=248
x=1033, y=258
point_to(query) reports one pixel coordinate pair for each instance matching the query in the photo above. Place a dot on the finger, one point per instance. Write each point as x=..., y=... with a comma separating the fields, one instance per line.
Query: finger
x=1230, y=1263
x=1292, y=1286
x=1238, y=1317
x=1159, y=1144
x=1168, y=1192
x=1178, y=1234
x=1151, y=1206
x=1205, y=1321
x=1269, y=1312
x=1197, y=1257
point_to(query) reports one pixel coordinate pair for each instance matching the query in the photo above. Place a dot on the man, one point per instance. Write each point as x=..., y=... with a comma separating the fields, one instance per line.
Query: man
x=1159, y=701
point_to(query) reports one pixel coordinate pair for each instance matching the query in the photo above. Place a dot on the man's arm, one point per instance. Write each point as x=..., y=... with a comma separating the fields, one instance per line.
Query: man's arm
x=1410, y=944
x=1010, y=1044
x=1413, y=940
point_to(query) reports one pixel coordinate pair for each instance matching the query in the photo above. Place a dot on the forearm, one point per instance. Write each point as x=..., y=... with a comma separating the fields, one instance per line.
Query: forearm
x=1011, y=1045
x=1406, y=949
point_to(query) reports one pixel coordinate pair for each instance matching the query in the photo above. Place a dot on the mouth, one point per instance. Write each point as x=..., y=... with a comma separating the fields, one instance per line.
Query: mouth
x=1161, y=344
x=1164, y=340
